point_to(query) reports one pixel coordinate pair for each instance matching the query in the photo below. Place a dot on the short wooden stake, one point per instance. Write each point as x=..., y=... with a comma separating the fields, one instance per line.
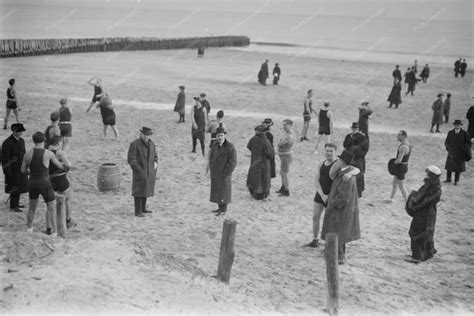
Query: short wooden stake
x=332, y=271
x=226, y=255
x=61, y=215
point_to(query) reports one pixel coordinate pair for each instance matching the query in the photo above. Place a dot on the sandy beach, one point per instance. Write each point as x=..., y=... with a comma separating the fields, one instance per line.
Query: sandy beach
x=113, y=262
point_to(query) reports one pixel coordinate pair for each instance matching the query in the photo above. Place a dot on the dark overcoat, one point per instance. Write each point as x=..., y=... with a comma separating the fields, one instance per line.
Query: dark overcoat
x=458, y=147
x=13, y=151
x=222, y=162
x=425, y=73
x=359, y=145
x=258, y=177
x=342, y=211
x=437, y=108
x=141, y=158
x=470, y=119
x=180, y=103
x=395, y=96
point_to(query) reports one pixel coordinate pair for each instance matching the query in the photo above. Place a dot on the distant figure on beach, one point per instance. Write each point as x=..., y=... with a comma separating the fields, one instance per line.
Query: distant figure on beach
x=342, y=211
x=285, y=145
x=180, y=104
x=307, y=110
x=205, y=104
x=425, y=73
x=397, y=74
x=395, y=97
x=356, y=142
x=143, y=160
x=325, y=129
x=258, y=177
x=415, y=66
x=60, y=181
x=421, y=205
x=108, y=114
x=52, y=130
x=457, y=67
x=365, y=112
x=200, y=51
x=12, y=103
x=269, y=123
x=458, y=146
x=199, y=124
x=98, y=91
x=37, y=161
x=400, y=166
x=13, y=151
x=214, y=124
x=222, y=162
x=437, y=118
x=65, y=124
x=276, y=74
x=263, y=73
x=406, y=75
x=462, y=69
x=470, y=119
x=447, y=107
x=412, y=81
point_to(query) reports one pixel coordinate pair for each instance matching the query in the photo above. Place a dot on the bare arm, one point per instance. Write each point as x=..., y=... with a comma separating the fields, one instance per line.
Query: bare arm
x=316, y=181
x=51, y=157
x=26, y=162
x=90, y=81
x=193, y=122
x=402, y=151
x=62, y=157
x=330, y=122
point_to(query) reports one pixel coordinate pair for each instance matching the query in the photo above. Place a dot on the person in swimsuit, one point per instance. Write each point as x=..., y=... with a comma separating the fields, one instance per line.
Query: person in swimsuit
x=308, y=109
x=401, y=163
x=108, y=114
x=52, y=130
x=65, y=125
x=285, y=145
x=98, y=91
x=12, y=103
x=325, y=125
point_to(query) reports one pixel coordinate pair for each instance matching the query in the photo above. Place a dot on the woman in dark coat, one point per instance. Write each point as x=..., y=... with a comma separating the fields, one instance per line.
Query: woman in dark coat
x=421, y=205
x=180, y=104
x=395, y=96
x=258, y=178
x=222, y=162
x=412, y=81
x=425, y=73
x=458, y=146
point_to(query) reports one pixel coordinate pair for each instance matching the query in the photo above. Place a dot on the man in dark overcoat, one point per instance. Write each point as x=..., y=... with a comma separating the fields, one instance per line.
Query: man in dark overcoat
x=458, y=146
x=457, y=67
x=357, y=143
x=258, y=177
x=342, y=211
x=13, y=151
x=397, y=74
x=263, y=73
x=222, y=162
x=437, y=118
x=470, y=120
x=143, y=160
x=180, y=104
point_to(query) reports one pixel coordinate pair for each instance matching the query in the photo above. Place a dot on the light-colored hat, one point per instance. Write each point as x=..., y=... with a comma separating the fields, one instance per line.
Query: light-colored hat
x=434, y=170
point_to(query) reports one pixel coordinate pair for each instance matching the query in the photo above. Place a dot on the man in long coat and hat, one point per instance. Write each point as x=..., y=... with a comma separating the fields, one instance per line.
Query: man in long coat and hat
x=222, y=162
x=342, y=211
x=258, y=177
x=458, y=146
x=143, y=160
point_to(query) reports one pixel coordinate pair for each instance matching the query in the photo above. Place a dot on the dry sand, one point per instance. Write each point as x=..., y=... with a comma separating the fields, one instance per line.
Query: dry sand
x=115, y=262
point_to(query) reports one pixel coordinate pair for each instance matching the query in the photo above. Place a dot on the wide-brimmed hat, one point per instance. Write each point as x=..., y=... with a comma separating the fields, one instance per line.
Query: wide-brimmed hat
x=365, y=103
x=457, y=122
x=355, y=125
x=182, y=87
x=202, y=95
x=440, y=95
x=220, y=130
x=347, y=156
x=434, y=170
x=17, y=128
x=146, y=131
x=268, y=121
x=261, y=128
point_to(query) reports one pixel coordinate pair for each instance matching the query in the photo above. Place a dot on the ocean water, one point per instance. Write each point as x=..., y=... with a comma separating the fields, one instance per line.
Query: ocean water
x=437, y=31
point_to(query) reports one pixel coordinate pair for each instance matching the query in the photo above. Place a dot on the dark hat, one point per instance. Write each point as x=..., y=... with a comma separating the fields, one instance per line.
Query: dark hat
x=146, y=131
x=365, y=103
x=347, y=156
x=261, y=128
x=457, y=122
x=63, y=101
x=197, y=99
x=268, y=121
x=326, y=104
x=277, y=64
x=440, y=95
x=182, y=87
x=220, y=130
x=17, y=127
x=355, y=125
x=202, y=95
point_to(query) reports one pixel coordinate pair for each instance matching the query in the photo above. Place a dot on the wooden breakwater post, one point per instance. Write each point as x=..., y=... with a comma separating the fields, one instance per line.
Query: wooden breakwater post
x=226, y=254
x=332, y=272
x=61, y=215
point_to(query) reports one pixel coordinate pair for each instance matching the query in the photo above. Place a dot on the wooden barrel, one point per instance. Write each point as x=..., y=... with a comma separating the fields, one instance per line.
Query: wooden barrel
x=108, y=177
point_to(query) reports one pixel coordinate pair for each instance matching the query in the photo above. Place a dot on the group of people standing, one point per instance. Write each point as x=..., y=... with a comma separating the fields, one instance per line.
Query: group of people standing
x=460, y=67
x=263, y=73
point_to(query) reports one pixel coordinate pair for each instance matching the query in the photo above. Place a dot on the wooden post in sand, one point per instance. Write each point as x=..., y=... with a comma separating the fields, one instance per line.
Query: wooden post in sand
x=61, y=215
x=332, y=271
x=226, y=255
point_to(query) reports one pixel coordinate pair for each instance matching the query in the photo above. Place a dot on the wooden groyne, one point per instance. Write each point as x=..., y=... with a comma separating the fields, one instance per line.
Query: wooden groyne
x=35, y=47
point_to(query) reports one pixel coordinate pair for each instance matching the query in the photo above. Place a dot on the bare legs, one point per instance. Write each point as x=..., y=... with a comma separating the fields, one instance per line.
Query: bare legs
x=401, y=185
x=317, y=211
x=327, y=137
x=304, y=132
x=7, y=115
x=114, y=129
x=51, y=220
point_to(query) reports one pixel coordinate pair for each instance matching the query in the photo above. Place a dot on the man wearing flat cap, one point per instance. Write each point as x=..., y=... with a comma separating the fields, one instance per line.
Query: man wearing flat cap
x=143, y=160
x=458, y=146
x=13, y=151
x=342, y=211
x=222, y=162
x=258, y=177
x=437, y=108
x=357, y=143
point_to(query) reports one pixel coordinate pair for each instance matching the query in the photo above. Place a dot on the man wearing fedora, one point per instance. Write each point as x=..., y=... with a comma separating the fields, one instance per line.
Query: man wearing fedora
x=357, y=143
x=458, y=146
x=222, y=162
x=437, y=118
x=143, y=160
x=180, y=104
x=342, y=211
x=13, y=151
x=276, y=74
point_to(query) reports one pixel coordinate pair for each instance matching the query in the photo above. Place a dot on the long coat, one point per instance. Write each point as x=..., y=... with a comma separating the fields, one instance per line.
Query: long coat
x=359, y=145
x=180, y=103
x=342, y=211
x=425, y=73
x=395, y=96
x=458, y=147
x=13, y=151
x=470, y=118
x=437, y=108
x=258, y=177
x=222, y=162
x=421, y=205
x=141, y=157
x=411, y=80
x=272, y=161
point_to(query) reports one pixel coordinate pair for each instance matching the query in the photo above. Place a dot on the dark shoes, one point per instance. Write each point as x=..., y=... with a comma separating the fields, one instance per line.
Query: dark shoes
x=313, y=244
x=447, y=181
x=146, y=211
x=139, y=215
x=281, y=190
x=48, y=231
x=70, y=223
x=16, y=209
x=284, y=193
